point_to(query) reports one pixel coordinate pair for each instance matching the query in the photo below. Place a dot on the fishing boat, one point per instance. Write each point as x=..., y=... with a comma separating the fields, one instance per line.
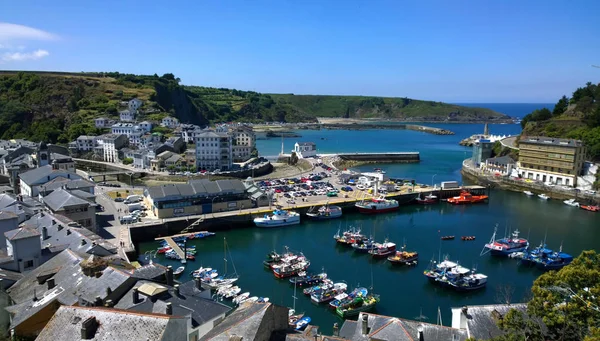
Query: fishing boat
x=379, y=205
x=506, y=246
x=289, y=270
x=210, y=279
x=383, y=250
x=308, y=280
x=427, y=200
x=241, y=297
x=531, y=258
x=434, y=270
x=293, y=318
x=466, y=198
x=468, y=282
x=326, y=295
x=571, y=202
x=302, y=323
x=352, y=236
x=325, y=212
x=528, y=193
x=591, y=208
x=179, y=271
x=231, y=292
x=280, y=217
x=325, y=284
x=358, y=305
x=447, y=238
x=467, y=238
x=364, y=246
x=543, y=196
x=554, y=261
x=274, y=258
x=403, y=257
x=345, y=299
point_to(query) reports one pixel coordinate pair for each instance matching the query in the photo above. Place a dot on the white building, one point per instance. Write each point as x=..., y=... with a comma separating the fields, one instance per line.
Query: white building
x=31, y=181
x=145, y=126
x=102, y=122
x=111, y=143
x=24, y=247
x=133, y=132
x=244, y=142
x=188, y=132
x=86, y=143
x=305, y=149
x=169, y=122
x=127, y=116
x=213, y=150
x=134, y=105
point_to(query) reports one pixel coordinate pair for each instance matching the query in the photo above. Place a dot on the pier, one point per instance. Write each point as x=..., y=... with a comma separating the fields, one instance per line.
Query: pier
x=382, y=157
x=174, y=246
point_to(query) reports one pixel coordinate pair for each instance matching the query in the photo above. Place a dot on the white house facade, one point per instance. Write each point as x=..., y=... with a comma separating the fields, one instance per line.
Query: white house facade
x=213, y=150
x=305, y=149
x=169, y=122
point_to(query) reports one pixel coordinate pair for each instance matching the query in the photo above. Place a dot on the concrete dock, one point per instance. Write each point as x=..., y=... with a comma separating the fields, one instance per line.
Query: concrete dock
x=175, y=247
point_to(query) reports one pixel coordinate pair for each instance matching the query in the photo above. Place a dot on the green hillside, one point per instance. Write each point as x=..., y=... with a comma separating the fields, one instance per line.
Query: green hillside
x=577, y=117
x=57, y=107
x=384, y=107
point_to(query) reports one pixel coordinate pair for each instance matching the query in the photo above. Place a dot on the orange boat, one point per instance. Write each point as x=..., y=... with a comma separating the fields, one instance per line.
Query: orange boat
x=590, y=208
x=467, y=198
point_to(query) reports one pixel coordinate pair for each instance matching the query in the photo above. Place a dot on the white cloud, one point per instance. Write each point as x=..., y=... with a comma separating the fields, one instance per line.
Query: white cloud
x=18, y=56
x=9, y=32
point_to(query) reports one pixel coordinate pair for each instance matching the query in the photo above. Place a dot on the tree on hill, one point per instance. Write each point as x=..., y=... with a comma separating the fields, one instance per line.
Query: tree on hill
x=561, y=106
x=566, y=301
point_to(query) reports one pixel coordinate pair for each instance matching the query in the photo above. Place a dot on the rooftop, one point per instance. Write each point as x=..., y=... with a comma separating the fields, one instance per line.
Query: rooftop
x=42, y=174
x=112, y=324
x=21, y=233
x=501, y=160
x=481, y=319
x=541, y=140
x=61, y=181
x=243, y=322
x=204, y=188
x=61, y=198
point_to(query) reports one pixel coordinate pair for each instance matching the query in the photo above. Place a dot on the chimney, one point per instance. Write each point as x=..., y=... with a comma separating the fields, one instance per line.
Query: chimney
x=60, y=227
x=53, y=222
x=420, y=331
x=108, y=304
x=169, y=275
x=136, y=295
x=336, y=329
x=34, y=295
x=88, y=328
x=68, y=232
x=51, y=284
x=465, y=310
x=42, y=214
x=98, y=301
x=198, y=283
x=365, y=324
x=169, y=308
x=83, y=242
x=176, y=289
x=44, y=233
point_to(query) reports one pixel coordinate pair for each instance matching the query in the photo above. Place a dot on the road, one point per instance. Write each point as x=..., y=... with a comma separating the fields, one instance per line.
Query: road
x=509, y=142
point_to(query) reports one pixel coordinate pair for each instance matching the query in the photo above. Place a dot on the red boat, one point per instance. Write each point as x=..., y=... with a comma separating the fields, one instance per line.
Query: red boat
x=591, y=208
x=383, y=250
x=427, y=200
x=164, y=249
x=291, y=270
x=466, y=198
x=379, y=205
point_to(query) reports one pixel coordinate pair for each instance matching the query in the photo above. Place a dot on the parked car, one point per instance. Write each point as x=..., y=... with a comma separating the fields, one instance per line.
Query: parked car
x=119, y=199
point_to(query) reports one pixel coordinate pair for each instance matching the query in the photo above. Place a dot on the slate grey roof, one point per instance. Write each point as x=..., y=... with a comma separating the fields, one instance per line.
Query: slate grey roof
x=113, y=324
x=481, y=322
x=60, y=198
x=191, y=302
x=5, y=215
x=385, y=328
x=501, y=160
x=69, y=183
x=72, y=286
x=200, y=188
x=40, y=175
x=10, y=275
x=6, y=200
x=550, y=140
x=150, y=272
x=68, y=236
x=21, y=233
x=306, y=143
x=244, y=322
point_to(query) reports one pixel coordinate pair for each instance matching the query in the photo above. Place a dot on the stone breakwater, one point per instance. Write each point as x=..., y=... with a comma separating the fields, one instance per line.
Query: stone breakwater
x=365, y=126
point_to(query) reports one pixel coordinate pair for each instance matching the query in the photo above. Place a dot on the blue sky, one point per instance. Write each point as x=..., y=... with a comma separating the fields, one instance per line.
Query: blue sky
x=453, y=51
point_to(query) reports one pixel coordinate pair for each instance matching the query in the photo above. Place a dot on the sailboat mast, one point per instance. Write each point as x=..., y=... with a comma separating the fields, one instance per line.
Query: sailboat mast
x=225, y=253
x=294, y=307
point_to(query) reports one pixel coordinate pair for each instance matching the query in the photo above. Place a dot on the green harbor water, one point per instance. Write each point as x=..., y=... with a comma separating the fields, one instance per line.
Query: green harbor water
x=405, y=292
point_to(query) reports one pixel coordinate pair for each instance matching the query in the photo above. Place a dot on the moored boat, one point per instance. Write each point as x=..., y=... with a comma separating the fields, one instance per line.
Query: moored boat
x=364, y=246
x=427, y=200
x=383, y=250
x=403, y=257
x=344, y=299
x=379, y=205
x=528, y=193
x=179, y=271
x=543, y=196
x=290, y=269
x=279, y=217
x=326, y=212
x=571, y=202
x=349, y=237
x=328, y=294
x=302, y=323
x=506, y=246
x=434, y=270
x=591, y=208
x=447, y=238
x=308, y=280
x=358, y=305
x=466, y=198
x=467, y=238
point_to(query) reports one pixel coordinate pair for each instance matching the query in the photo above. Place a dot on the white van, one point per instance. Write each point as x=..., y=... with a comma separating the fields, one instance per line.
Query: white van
x=133, y=198
x=128, y=219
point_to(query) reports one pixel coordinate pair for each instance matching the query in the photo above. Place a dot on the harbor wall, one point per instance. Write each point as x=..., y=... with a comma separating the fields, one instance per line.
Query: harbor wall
x=408, y=157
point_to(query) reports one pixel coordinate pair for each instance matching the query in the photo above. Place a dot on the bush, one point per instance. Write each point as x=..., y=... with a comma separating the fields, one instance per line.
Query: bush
x=127, y=161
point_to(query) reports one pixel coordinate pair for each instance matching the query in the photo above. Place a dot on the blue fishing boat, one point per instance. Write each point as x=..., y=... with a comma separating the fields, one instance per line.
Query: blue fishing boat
x=308, y=280
x=555, y=261
x=531, y=258
x=343, y=300
x=302, y=323
x=364, y=246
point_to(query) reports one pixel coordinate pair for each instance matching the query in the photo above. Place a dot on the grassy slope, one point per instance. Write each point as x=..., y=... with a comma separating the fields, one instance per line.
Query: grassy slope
x=382, y=107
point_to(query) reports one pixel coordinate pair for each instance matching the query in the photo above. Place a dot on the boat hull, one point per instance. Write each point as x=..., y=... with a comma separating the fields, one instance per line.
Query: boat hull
x=276, y=223
x=368, y=210
x=506, y=253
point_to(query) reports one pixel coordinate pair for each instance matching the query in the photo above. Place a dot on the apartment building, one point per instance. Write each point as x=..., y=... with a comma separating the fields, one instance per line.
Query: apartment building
x=244, y=142
x=111, y=143
x=213, y=150
x=551, y=160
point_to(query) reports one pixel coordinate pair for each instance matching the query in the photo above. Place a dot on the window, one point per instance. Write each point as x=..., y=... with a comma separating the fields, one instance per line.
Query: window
x=28, y=264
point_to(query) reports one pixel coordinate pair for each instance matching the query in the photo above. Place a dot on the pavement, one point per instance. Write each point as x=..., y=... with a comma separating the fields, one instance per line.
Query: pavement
x=509, y=142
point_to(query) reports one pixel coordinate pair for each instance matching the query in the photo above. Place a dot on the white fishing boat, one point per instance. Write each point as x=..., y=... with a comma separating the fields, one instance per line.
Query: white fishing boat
x=263, y=300
x=279, y=217
x=571, y=202
x=528, y=193
x=250, y=299
x=238, y=299
x=230, y=293
x=543, y=196
x=326, y=212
